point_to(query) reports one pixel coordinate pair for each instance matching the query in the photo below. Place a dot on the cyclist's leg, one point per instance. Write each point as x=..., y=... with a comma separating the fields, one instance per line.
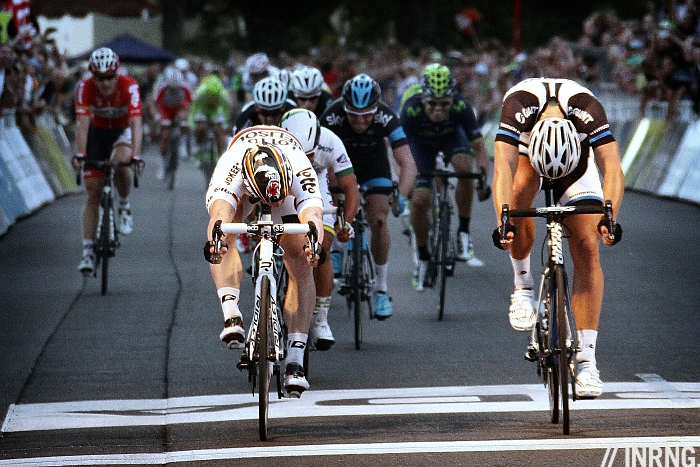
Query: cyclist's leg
x=228, y=276
x=378, y=197
x=424, y=153
x=320, y=331
x=521, y=312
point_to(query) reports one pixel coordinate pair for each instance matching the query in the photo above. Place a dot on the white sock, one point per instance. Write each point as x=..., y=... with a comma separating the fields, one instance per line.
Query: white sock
x=381, y=273
x=322, y=305
x=522, y=277
x=296, y=343
x=587, y=342
x=229, y=297
x=124, y=204
x=88, y=245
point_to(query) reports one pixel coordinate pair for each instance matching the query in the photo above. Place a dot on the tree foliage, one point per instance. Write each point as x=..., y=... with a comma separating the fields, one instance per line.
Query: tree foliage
x=295, y=27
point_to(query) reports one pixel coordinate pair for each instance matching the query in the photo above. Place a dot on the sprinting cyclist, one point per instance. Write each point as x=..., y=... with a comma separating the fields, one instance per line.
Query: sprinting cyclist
x=257, y=67
x=108, y=127
x=211, y=105
x=327, y=154
x=172, y=96
x=309, y=91
x=363, y=122
x=267, y=165
x=439, y=119
x=545, y=119
x=267, y=107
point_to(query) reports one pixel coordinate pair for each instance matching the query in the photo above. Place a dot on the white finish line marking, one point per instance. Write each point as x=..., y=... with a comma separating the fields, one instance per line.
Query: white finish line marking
x=336, y=403
x=556, y=444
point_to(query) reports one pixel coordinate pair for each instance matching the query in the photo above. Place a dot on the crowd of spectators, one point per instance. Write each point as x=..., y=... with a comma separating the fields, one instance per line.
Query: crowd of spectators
x=654, y=60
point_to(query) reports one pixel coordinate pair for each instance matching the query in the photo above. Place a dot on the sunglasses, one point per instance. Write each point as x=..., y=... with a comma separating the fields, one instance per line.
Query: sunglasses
x=360, y=113
x=306, y=98
x=433, y=104
x=105, y=77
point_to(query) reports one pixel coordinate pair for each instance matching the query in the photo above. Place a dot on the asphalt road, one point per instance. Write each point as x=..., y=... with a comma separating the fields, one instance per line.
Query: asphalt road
x=139, y=376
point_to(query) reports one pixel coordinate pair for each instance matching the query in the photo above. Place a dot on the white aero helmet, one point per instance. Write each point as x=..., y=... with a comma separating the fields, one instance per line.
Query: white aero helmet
x=305, y=126
x=103, y=60
x=269, y=93
x=306, y=82
x=555, y=149
x=257, y=63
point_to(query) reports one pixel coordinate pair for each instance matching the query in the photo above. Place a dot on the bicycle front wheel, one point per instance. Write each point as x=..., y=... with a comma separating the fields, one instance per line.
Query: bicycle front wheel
x=356, y=291
x=171, y=162
x=443, y=258
x=104, y=241
x=265, y=366
x=562, y=329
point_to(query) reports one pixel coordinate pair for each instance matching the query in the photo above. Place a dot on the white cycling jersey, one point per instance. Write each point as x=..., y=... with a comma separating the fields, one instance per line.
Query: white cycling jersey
x=227, y=180
x=330, y=154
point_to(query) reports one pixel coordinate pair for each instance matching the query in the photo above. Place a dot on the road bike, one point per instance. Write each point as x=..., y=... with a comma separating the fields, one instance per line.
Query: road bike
x=172, y=157
x=441, y=240
x=358, y=273
x=554, y=343
x=208, y=154
x=107, y=235
x=265, y=343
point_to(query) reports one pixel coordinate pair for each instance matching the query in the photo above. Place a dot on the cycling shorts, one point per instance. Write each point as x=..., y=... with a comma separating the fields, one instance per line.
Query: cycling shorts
x=218, y=118
x=424, y=151
x=169, y=114
x=378, y=186
x=585, y=190
x=100, y=144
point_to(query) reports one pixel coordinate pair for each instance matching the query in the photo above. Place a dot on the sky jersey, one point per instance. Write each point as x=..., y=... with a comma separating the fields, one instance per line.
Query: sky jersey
x=367, y=151
x=109, y=112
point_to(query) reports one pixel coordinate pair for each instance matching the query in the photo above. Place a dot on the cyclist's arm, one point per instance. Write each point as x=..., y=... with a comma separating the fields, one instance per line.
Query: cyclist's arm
x=82, y=124
x=482, y=155
x=136, y=125
x=407, y=169
x=505, y=163
x=348, y=184
x=607, y=159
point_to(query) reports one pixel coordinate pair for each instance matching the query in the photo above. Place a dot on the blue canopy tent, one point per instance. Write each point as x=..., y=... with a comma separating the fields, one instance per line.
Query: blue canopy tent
x=131, y=49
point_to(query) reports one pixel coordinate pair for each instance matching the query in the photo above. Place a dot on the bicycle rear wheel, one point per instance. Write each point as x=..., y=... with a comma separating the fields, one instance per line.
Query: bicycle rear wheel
x=265, y=366
x=171, y=161
x=356, y=291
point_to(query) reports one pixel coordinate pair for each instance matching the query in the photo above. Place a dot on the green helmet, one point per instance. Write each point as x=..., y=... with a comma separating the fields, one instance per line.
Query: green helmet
x=437, y=80
x=212, y=85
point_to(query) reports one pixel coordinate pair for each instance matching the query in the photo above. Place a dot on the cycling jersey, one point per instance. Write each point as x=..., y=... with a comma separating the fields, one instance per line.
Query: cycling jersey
x=249, y=116
x=109, y=112
x=367, y=151
x=206, y=107
x=171, y=101
x=227, y=179
x=522, y=106
x=330, y=154
x=426, y=138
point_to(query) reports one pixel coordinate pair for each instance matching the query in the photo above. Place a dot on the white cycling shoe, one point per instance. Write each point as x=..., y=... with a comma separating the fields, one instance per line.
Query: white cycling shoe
x=126, y=221
x=320, y=332
x=521, y=312
x=588, y=383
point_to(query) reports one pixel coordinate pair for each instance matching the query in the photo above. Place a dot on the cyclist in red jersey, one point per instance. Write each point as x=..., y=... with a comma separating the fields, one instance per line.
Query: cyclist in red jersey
x=173, y=96
x=108, y=126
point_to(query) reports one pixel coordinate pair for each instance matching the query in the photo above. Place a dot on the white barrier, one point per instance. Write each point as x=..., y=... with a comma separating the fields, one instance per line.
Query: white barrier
x=22, y=166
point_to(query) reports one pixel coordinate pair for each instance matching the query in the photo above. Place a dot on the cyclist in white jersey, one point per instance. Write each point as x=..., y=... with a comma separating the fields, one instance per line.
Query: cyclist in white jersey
x=552, y=104
x=267, y=164
x=330, y=160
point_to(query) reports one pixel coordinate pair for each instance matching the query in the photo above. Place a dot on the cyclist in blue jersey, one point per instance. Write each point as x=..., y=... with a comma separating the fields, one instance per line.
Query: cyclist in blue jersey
x=364, y=123
x=439, y=119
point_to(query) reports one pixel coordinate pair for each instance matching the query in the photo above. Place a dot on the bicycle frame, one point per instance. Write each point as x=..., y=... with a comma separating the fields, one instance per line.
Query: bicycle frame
x=553, y=342
x=264, y=347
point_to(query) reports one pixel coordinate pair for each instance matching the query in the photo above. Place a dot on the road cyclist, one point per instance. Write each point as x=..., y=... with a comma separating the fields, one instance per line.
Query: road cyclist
x=108, y=127
x=364, y=124
x=329, y=158
x=267, y=165
x=439, y=120
x=269, y=103
x=557, y=128
x=309, y=91
x=172, y=97
x=209, y=116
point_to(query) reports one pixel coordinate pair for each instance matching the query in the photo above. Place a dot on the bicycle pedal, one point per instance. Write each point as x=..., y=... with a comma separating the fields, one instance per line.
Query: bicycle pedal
x=532, y=355
x=243, y=362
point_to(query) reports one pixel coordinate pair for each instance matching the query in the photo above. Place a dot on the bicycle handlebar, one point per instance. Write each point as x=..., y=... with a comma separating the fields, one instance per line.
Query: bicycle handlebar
x=557, y=212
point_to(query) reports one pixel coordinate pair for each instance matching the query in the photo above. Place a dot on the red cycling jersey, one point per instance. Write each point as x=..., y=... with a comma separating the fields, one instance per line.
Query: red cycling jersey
x=109, y=112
